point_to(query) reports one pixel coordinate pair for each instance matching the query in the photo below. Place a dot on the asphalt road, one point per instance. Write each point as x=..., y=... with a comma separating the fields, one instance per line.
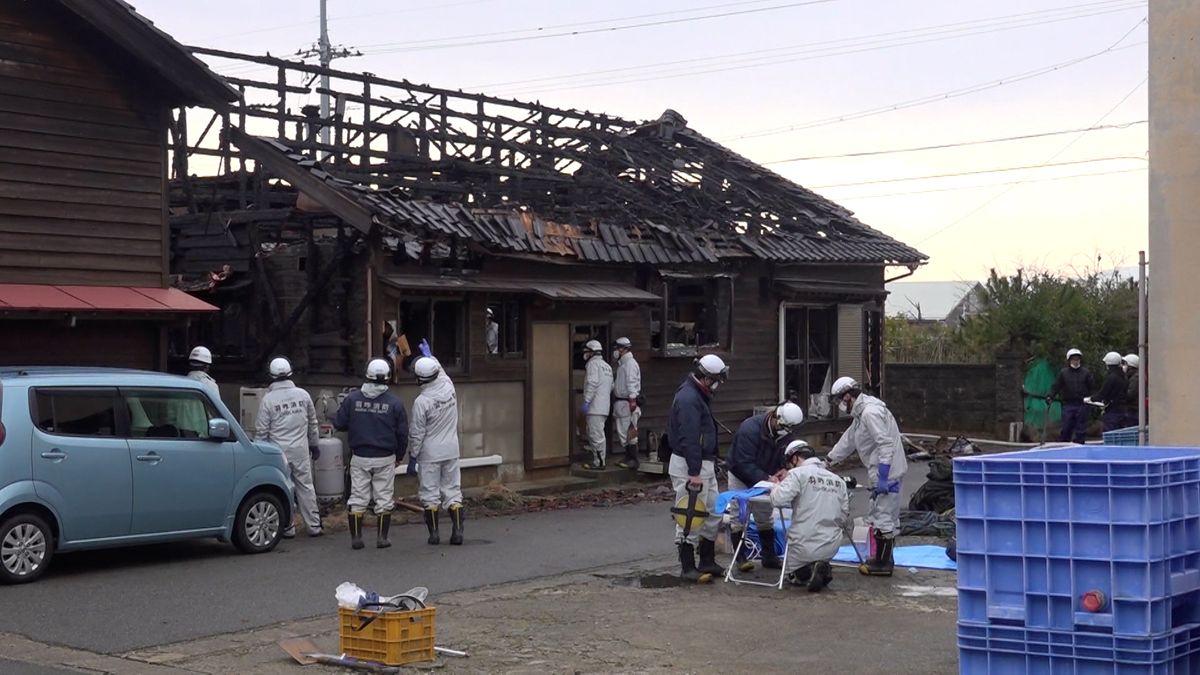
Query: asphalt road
x=119, y=600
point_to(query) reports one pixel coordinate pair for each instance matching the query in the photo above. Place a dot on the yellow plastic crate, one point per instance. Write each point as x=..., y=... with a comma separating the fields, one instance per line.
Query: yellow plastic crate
x=391, y=638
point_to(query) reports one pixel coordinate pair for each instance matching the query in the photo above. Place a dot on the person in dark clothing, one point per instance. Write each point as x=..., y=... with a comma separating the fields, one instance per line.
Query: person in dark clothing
x=1073, y=384
x=1112, y=393
x=755, y=455
x=1132, y=392
x=692, y=433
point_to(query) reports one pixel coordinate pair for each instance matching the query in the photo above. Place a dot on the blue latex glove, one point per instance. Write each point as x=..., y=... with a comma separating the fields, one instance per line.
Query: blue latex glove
x=881, y=487
x=424, y=348
x=586, y=407
x=412, y=465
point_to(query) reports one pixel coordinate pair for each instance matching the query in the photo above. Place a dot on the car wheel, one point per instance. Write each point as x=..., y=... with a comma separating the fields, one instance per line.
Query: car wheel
x=259, y=525
x=26, y=547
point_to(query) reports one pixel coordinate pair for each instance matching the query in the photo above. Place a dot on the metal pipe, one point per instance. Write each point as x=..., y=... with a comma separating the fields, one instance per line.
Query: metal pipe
x=911, y=271
x=1143, y=324
x=782, y=351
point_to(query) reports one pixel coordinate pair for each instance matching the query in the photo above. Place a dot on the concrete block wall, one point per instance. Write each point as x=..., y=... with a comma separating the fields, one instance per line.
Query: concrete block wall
x=960, y=398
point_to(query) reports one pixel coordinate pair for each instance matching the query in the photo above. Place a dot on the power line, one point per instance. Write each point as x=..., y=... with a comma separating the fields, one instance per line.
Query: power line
x=954, y=93
x=958, y=174
x=433, y=44
x=990, y=185
x=991, y=200
x=961, y=144
x=793, y=54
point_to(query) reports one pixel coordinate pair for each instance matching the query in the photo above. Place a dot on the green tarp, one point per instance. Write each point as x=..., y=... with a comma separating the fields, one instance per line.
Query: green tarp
x=1038, y=380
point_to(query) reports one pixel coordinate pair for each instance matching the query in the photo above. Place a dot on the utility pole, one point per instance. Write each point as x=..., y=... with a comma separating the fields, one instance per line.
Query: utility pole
x=326, y=53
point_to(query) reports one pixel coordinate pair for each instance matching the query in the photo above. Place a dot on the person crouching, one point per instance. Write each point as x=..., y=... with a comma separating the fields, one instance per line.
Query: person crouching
x=820, y=506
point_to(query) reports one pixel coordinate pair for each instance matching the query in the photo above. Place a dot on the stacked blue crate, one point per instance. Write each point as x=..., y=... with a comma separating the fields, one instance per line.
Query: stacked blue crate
x=1012, y=649
x=1126, y=436
x=1038, y=530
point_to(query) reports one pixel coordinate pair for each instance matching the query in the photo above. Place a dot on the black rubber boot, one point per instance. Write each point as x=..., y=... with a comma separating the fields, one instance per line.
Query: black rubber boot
x=822, y=574
x=431, y=522
x=708, y=558
x=687, y=565
x=385, y=524
x=743, y=564
x=631, y=458
x=801, y=575
x=456, y=519
x=882, y=564
x=356, y=541
x=766, y=542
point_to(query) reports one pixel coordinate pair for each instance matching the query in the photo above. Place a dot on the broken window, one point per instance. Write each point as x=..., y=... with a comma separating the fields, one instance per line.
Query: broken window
x=440, y=321
x=504, y=328
x=695, y=314
x=810, y=336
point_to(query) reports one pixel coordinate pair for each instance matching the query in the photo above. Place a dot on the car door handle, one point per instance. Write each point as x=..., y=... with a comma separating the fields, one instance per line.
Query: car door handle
x=54, y=455
x=153, y=458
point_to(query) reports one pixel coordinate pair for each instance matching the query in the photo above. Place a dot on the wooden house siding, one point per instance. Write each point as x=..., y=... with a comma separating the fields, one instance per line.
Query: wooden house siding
x=82, y=154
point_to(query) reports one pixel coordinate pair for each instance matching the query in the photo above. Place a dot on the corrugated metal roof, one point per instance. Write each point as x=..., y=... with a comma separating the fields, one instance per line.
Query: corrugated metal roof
x=555, y=289
x=48, y=298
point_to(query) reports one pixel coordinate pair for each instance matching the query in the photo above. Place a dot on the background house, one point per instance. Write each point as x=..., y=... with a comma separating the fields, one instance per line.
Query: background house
x=944, y=302
x=86, y=89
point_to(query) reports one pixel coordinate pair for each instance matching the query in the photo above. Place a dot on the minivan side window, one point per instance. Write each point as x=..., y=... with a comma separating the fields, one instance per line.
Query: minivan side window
x=166, y=413
x=76, y=412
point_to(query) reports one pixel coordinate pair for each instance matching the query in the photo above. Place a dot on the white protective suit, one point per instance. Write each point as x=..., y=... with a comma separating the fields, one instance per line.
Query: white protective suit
x=876, y=437
x=627, y=387
x=820, y=507
x=433, y=442
x=208, y=381
x=597, y=393
x=288, y=418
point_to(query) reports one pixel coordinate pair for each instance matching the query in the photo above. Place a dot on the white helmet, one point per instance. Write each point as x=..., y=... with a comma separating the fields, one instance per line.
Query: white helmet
x=844, y=385
x=201, y=355
x=1133, y=361
x=280, y=368
x=592, y=346
x=378, y=371
x=801, y=447
x=788, y=416
x=1112, y=359
x=1073, y=353
x=711, y=366
x=426, y=369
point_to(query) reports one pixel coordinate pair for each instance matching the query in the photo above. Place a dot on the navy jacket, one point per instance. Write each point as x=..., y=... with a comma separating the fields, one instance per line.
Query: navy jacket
x=691, y=428
x=754, y=455
x=1113, y=391
x=1073, y=384
x=378, y=426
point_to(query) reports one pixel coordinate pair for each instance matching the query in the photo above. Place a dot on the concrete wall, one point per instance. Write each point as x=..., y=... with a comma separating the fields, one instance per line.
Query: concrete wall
x=1174, y=220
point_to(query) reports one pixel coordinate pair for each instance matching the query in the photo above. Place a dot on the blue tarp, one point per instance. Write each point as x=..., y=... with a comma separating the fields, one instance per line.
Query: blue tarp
x=928, y=557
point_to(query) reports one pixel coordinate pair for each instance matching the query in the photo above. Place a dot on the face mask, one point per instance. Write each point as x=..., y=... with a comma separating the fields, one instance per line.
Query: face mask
x=616, y=355
x=782, y=431
x=1074, y=366
x=713, y=387
x=845, y=409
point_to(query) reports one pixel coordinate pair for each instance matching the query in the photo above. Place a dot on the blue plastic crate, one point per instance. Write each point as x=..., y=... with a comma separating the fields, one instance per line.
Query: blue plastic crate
x=1013, y=649
x=1126, y=436
x=1039, y=529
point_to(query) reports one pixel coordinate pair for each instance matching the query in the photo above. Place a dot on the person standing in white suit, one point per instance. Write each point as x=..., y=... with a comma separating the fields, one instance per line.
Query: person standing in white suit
x=434, y=445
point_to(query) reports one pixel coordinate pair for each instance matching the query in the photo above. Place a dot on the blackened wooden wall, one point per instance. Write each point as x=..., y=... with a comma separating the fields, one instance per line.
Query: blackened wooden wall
x=82, y=153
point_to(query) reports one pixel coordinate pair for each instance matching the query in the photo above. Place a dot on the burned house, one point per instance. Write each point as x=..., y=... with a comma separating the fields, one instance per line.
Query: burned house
x=86, y=92
x=507, y=234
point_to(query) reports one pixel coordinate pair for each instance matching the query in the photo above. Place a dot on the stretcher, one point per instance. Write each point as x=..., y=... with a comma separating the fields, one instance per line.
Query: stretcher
x=752, y=549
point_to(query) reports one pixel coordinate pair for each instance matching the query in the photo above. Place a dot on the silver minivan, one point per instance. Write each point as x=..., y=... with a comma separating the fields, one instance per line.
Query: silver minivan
x=98, y=458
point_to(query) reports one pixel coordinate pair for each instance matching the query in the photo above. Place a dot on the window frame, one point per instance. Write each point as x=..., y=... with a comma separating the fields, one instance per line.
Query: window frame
x=713, y=290
x=120, y=421
x=458, y=366
x=210, y=408
x=506, y=304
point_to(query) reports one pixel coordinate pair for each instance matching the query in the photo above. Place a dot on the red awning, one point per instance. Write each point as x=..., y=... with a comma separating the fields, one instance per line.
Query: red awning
x=43, y=298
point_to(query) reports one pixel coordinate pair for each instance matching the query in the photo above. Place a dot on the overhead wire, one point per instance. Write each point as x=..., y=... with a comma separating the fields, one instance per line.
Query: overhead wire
x=960, y=144
x=991, y=185
x=958, y=174
x=799, y=53
x=991, y=200
x=432, y=45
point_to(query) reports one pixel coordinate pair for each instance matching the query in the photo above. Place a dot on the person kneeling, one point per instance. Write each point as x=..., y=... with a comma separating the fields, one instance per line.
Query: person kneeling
x=820, y=510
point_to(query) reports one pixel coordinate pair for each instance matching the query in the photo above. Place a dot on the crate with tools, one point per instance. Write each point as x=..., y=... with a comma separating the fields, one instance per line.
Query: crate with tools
x=394, y=631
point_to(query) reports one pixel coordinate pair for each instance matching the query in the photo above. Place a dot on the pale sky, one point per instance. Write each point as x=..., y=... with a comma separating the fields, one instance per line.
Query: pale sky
x=776, y=64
